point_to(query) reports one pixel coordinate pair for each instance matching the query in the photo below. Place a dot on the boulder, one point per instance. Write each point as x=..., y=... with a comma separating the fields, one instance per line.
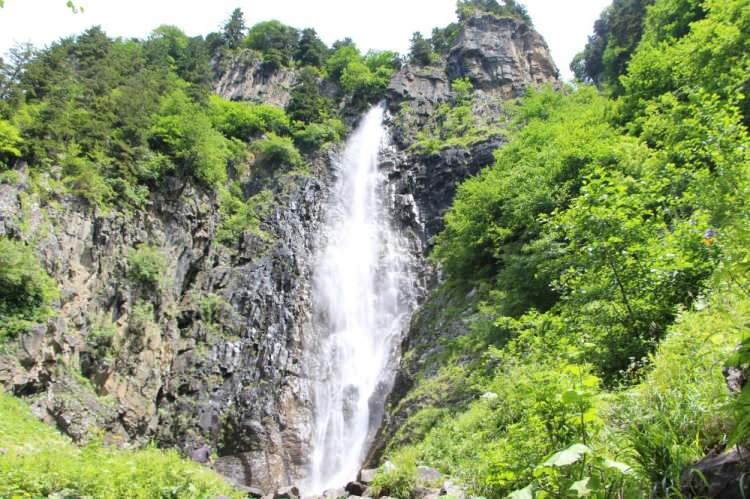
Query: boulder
x=719, y=475
x=367, y=475
x=334, y=493
x=290, y=492
x=356, y=488
x=451, y=489
x=429, y=477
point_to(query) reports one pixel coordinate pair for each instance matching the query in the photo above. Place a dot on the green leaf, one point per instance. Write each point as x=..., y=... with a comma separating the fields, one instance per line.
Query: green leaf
x=624, y=468
x=568, y=456
x=581, y=487
x=524, y=493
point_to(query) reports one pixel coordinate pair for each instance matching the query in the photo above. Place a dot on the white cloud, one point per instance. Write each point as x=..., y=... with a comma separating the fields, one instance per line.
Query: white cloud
x=372, y=24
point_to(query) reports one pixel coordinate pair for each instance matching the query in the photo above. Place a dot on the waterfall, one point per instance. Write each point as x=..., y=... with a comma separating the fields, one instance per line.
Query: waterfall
x=363, y=296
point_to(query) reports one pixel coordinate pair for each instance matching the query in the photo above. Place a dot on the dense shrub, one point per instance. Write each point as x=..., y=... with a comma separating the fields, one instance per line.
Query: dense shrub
x=26, y=290
x=239, y=215
x=39, y=462
x=243, y=120
x=277, y=150
x=146, y=266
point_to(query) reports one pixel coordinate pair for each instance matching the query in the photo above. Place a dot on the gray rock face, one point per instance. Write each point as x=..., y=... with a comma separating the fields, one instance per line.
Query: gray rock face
x=234, y=382
x=431, y=180
x=246, y=78
x=423, y=87
x=501, y=55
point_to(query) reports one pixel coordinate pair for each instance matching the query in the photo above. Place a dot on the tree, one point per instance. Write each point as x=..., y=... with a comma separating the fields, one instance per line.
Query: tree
x=420, y=52
x=275, y=40
x=311, y=51
x=234, y=29
x=307, y=104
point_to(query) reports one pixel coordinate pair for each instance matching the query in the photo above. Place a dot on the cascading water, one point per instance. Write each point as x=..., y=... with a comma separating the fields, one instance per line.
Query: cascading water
x=364, y=294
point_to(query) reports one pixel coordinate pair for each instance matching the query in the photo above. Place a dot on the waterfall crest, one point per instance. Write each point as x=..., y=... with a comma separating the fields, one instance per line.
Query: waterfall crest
x=363, y=295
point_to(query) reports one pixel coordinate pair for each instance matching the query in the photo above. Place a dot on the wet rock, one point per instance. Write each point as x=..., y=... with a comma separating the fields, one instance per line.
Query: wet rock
x=719, y=475
x=201, y=454
x=355, y=488
x=334, y=493
x=290, y=492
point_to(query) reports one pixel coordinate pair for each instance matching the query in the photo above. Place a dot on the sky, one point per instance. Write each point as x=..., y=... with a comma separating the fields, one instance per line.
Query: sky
x=372, y=24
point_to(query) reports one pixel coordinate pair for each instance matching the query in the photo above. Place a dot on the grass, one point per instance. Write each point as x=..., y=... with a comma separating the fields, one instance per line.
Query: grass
x=38, y=461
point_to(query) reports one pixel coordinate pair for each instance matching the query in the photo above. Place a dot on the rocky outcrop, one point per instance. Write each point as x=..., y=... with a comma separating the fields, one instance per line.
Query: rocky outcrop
x=423, y=88
x=245, y=77
x=217, y=359
x=501, y=55
x=431, y=180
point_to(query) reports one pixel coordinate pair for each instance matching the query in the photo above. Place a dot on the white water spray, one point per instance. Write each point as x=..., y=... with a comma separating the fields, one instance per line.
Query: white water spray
x=364, y=294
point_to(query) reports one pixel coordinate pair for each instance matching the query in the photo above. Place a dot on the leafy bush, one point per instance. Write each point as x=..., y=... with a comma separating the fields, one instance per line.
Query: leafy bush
x=273, y=149
x=242, y=120
x=10, y=139
x=240, y=215
x=146, y=266
x=397, y=479
x=314, y=135
x=26, y=290
x=40, y=462
x=184, y=131
x=101, y=335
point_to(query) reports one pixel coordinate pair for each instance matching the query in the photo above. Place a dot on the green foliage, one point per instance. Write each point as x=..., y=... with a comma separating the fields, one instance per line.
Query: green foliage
x=311, y=50
x=276, y=150
x=306, y=103
x=617, y=33
x=454, y=124
x=366, y=77
x=606, y=250
x=275, y=40
x=40, y=462
x=26, y=290
x=681, y=67
x=146, y=266
x=101, y=335
x=508, y=8
x=420, y=52
x=239, y=215
x=234, y=29
x=242, y=120
x=315, y=135
x=10, y=139
x=186, y=134
x=397, y=479
x=443, y=39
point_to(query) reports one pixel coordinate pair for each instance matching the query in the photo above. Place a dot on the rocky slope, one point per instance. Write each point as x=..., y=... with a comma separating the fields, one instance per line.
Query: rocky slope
x=217, y=366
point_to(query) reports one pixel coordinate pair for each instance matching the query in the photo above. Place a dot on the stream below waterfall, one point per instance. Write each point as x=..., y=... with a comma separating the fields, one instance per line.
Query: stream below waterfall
x=364, y=293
